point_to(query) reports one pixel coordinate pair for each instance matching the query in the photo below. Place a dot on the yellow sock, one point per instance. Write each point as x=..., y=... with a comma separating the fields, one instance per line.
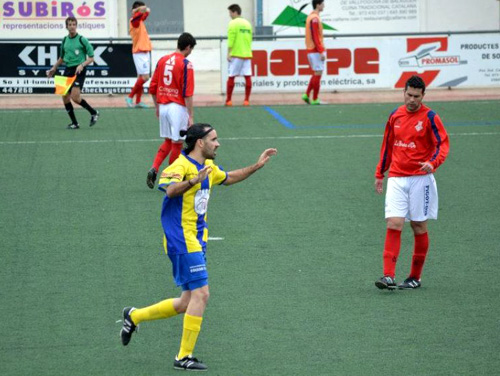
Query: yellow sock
x=160, y=310
x=192, y=327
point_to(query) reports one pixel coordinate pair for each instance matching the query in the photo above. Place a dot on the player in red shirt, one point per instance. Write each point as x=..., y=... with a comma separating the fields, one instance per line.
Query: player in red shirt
x=172, y=88
x=415, y=144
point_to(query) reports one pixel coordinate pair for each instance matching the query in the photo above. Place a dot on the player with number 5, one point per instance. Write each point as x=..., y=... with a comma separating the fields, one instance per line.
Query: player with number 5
x=172, y=88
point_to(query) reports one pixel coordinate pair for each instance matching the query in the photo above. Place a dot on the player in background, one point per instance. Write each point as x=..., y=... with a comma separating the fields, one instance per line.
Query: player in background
x=141, y=52
x=172, y=88
x=187, y=184
x=77, y=53
x=415, y=144
x=239, y=53
x=315, y=51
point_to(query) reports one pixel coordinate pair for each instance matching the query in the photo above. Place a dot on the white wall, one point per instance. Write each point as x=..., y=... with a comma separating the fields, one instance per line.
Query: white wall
x=201, y=17
x=123, y=18
x=394, y=16
x=459, y=15
x=210, y=17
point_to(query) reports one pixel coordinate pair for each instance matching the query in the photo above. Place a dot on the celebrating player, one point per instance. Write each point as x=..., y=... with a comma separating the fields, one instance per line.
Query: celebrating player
x=77, y=53
x=315, y=51
x=239, y=53
x=415, y=144
x=187, y=183
x=141, y=51
x=172, y=88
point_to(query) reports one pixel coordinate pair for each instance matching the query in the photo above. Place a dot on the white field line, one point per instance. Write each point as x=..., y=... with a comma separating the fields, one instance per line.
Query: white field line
x=15, y=111
x=323, y=137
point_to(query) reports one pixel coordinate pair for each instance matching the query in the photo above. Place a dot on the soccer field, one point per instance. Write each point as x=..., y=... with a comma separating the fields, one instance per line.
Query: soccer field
x=298, y=247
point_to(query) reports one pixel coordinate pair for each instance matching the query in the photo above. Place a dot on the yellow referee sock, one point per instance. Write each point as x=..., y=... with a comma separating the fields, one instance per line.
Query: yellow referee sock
x=161, y=310
x=192, y=327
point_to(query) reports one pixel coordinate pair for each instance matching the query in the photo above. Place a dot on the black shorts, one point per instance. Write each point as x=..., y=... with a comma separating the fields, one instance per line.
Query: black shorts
x=80, y=79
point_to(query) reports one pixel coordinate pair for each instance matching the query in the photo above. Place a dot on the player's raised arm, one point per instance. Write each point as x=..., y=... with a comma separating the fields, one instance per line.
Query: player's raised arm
x=178, y=189
x=241, y=174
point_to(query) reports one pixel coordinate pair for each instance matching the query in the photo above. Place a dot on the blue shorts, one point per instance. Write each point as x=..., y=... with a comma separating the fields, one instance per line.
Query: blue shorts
x=189, y=270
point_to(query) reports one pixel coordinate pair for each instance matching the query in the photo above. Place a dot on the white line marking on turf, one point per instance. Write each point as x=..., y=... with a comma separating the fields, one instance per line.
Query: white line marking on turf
x=14, y=110
x=319, y=137
x=215, y=238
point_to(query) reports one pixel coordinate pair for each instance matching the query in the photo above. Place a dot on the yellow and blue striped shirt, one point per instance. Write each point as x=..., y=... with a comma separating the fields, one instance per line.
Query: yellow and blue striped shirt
x=184, y=218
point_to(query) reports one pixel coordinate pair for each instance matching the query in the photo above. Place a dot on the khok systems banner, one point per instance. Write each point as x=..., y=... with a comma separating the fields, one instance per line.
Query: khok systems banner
x=24, y=71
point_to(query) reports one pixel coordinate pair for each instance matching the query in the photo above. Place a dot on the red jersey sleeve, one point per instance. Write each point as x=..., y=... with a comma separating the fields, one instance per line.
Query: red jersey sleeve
x=440, y=140
x=145, y=16
x=385, y=150
x=136, y=19
x=188, y=84
x=153, y=86
x=315, y=35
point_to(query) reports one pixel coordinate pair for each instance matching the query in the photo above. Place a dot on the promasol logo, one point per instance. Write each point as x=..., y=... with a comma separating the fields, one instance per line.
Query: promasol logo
x=423, y=58
x=419, y=56
x=51, y=9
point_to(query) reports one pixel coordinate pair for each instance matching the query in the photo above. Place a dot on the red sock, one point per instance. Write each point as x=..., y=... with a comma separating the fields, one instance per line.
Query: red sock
x=176, y=151
x=138, y=95
x=162, y=153
x=391, y=251
x=248, y=87
x=317, y=83
x=311, y=84
x=419, y=254
x=134, y=88
x=230, y=88
x=138, y=89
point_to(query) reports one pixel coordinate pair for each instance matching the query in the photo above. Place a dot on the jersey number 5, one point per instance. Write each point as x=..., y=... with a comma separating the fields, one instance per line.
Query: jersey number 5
x=168, y=75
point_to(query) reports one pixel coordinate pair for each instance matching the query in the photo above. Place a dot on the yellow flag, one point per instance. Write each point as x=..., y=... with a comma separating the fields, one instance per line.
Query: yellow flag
x=63, y=84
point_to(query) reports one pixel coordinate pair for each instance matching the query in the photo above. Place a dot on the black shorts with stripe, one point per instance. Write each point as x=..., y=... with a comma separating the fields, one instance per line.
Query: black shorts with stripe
x=80, y=79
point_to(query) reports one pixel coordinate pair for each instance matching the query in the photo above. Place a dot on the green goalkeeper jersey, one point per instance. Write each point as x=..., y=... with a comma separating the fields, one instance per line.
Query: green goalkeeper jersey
x=74, y=50
x=239, y=38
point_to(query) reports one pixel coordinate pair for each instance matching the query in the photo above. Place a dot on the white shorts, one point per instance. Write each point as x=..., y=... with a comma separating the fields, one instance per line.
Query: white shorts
x=142, y=61
x=173, y=119
x=414, y=198
x=240, y=67
x=315, y=61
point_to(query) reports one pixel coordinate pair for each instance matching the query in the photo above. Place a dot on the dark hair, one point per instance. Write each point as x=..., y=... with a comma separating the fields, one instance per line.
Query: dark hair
x=185, y=40
x=316, y=3
x=194, y=133
x=138, y=4
x=235, y=8
x=71, y=19
x=415, y=82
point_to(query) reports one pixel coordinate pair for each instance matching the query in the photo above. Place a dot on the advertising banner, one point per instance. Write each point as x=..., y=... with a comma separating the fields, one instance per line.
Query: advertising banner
x=45, y=18
x=344, y=16
x=24, y=66
x=375, y=63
